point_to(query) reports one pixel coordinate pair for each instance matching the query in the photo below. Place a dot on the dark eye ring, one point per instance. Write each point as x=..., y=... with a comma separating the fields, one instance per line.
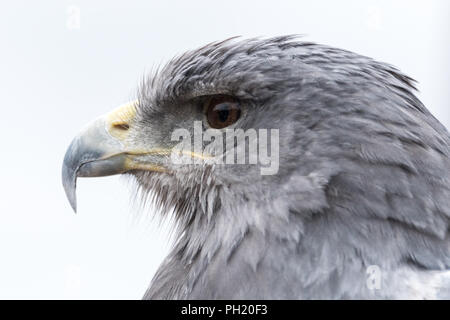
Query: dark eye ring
x=222, y=111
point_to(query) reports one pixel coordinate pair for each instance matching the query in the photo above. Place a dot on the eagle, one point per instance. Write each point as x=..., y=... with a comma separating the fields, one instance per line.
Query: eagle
x=358, y=203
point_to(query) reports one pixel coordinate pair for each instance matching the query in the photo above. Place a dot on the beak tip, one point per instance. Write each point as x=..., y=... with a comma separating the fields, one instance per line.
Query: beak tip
x=73, y=204
x=69, y=181
x=71, y=195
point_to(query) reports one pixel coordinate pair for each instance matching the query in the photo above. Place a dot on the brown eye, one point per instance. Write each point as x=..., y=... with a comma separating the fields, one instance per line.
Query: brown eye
x=222, y=111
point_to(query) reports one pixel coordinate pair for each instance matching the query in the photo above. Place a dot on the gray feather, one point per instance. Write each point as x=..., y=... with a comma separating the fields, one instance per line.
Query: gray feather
x=364, y=178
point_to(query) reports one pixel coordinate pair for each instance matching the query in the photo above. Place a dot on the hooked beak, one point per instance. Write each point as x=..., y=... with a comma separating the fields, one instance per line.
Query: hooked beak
x=101, y=149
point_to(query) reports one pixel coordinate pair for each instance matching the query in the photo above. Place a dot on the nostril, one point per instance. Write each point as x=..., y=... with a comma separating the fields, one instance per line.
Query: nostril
x=121, y=126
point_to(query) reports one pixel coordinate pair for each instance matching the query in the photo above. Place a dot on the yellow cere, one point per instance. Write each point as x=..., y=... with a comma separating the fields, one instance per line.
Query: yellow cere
x=120, y=120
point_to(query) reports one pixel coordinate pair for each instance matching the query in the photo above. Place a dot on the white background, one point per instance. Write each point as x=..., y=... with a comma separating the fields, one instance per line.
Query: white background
x=54, y=79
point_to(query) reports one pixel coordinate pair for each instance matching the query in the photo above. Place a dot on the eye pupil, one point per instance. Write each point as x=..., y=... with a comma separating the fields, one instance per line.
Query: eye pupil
x=222, y=111
x=223, y=114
